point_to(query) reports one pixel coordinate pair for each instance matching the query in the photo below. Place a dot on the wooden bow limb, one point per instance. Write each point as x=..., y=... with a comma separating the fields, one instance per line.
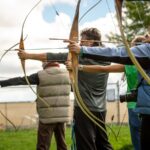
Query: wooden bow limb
x=74, y=37
x=21, y=46
x=118, y=4
x=74, y=74
x=90, y=115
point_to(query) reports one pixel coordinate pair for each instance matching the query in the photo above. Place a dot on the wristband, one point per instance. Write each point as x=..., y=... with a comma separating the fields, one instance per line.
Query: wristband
x=80, y=67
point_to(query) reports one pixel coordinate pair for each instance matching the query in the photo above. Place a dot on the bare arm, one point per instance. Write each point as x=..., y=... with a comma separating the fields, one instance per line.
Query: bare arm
x=24, y=55
x=98, y=68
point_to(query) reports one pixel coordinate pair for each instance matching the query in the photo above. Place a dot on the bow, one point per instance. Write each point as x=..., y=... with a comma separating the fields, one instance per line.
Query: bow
x=74, y=74
x=21, y=46
x=74, y=37
x=118, y=4
x=8, y=120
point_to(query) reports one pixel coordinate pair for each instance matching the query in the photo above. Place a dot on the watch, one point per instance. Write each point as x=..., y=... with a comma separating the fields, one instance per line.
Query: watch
x=80, y=67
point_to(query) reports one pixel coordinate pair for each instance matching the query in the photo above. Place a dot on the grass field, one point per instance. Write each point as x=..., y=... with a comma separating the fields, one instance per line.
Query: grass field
x=26, y=139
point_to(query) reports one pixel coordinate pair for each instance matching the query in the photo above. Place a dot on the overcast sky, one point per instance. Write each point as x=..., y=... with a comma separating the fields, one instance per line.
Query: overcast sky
x=43, y=23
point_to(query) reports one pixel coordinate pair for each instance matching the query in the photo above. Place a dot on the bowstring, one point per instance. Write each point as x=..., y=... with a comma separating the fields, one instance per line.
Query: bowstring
x=89, y=10
x=58, y=14
x=111, y=16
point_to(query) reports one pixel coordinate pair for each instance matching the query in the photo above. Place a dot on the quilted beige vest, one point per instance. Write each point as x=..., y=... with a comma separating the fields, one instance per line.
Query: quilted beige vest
x=54, y=87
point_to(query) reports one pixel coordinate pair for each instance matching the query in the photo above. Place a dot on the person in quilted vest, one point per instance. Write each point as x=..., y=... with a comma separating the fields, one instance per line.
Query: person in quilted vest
x=53, y=103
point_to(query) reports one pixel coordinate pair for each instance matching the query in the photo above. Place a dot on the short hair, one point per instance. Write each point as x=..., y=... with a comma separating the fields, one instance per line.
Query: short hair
x=140, y=39
x=92, y=34
x=46, y=64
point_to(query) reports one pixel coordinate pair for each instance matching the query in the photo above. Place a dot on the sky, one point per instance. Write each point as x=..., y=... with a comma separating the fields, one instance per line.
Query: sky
x=43, y=23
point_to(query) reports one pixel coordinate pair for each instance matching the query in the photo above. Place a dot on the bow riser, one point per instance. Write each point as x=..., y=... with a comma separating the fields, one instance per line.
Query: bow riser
x=74, y=37
x=21, y=46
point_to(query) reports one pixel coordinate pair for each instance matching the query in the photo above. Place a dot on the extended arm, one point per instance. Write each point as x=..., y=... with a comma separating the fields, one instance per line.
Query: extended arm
x=24, y=55
x=98, y=68
x=59, y=57
x=33, y=79
x=117, y=55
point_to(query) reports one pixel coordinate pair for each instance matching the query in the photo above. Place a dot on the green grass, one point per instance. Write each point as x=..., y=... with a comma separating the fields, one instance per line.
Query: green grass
x=26, y=139
x=123, y=139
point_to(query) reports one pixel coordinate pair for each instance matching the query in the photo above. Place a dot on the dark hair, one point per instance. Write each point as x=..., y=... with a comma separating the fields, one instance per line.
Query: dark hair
x=92, y=34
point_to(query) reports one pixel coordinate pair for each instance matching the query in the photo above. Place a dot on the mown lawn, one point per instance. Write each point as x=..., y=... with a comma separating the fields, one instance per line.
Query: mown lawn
x=26, y=139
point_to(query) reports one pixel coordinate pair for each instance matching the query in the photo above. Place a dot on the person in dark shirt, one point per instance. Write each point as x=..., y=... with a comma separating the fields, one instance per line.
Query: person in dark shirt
x=120, y=55
x=92, y=88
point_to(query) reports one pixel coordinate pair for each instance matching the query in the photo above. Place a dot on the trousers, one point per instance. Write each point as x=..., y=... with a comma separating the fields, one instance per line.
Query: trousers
x=45, y=132
x=135, y=128
x=145, y=131
x=88, y=135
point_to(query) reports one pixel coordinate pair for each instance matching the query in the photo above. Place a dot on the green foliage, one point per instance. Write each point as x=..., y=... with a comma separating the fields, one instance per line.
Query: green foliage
x=139, y=15
x=26, y=139
x=135, y=19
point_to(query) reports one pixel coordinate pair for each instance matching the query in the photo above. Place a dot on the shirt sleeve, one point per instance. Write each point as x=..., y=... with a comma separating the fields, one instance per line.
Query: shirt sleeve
x=59, y=57
x=33, y=79
x=119, y=55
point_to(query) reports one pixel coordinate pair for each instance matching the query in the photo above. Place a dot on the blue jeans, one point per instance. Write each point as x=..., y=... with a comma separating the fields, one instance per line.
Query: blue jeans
x=135, y=126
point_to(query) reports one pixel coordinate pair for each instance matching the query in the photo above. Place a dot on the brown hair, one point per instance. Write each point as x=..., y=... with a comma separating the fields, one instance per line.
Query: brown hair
x=139, y=39
x=92, y=34
x=147, y=36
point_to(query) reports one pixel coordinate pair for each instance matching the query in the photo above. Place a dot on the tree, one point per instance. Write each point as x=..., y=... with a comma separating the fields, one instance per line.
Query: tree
x=136, y=20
